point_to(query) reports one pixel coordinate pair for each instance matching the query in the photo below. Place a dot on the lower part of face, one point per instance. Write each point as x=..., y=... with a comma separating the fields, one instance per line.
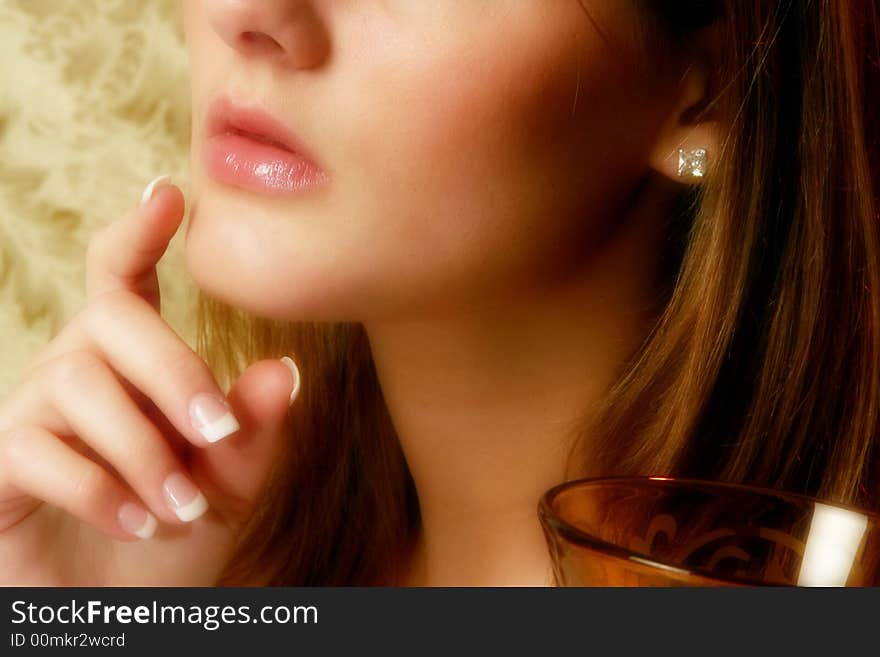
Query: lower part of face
x=474, y=150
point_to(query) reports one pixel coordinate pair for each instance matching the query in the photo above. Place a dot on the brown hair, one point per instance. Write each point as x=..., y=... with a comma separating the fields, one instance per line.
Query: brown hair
x=763, y=365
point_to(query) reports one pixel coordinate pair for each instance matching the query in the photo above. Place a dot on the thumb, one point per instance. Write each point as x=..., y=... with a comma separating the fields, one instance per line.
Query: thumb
x=235, y=470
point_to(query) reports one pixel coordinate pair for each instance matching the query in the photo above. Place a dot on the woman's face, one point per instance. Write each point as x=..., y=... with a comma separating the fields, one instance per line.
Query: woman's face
x=473, y=150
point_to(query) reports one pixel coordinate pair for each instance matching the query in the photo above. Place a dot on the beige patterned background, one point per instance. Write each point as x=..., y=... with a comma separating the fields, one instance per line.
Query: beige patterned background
x=95, y=103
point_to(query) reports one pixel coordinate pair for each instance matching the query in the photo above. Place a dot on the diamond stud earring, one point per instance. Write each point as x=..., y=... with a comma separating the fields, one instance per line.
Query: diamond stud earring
x=691, y=163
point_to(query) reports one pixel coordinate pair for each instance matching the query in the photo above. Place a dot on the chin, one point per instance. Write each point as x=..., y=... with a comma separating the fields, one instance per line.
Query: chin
x=231, y=278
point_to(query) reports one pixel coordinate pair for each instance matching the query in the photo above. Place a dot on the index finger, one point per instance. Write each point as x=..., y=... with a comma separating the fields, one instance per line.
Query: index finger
x=124, y=254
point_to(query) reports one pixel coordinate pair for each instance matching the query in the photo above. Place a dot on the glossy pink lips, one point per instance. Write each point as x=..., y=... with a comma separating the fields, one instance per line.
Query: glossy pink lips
x=248, y=148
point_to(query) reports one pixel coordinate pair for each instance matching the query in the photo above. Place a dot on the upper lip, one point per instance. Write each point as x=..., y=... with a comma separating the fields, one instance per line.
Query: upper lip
x=225, y=117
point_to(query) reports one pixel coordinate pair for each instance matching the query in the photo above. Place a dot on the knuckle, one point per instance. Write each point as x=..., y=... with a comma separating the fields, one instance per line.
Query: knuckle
x=95, y=248
x=186, y=367
x=152, y=460
x=140, y=449
x=71, y=336
x=177, y=362
x=91, y=485
x=15, y=449
x=72, y=368
x=105, y=309
x=13, y=444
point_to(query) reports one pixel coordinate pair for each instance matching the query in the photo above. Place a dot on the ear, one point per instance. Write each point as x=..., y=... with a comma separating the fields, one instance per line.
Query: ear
x=693, y=124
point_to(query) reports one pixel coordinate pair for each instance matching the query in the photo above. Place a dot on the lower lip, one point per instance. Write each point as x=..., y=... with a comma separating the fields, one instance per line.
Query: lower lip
x=239, y=161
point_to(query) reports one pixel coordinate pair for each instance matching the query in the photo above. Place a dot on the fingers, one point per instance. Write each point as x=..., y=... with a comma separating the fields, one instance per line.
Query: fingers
x=123, y=255
x=38, y=464
x=122, y=322
x=261, y=398
x=101, y=414
x=78, y=394
x=145, y=350
x=137, y=343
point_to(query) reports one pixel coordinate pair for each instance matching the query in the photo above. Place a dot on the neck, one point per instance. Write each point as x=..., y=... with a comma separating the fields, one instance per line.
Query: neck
x=486, y=403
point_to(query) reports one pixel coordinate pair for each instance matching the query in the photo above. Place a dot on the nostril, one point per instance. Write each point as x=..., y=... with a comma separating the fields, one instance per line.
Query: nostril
x=259, y=39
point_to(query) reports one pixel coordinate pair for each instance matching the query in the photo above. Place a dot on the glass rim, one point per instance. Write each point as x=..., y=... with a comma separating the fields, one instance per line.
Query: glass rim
x=575, y=535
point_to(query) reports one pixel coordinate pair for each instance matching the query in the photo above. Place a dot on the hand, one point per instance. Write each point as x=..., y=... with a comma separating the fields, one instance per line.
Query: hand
x=108, y=472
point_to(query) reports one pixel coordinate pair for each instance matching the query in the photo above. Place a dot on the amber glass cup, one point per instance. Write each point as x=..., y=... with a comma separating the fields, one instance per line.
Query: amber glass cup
x=660, y=531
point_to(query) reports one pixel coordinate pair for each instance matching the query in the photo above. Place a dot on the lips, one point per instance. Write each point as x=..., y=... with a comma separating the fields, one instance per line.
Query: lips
x=247, y=147
x=224, y=117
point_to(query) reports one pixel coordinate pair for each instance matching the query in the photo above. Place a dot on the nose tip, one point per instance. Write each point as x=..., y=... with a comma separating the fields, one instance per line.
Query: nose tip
x=283, y=31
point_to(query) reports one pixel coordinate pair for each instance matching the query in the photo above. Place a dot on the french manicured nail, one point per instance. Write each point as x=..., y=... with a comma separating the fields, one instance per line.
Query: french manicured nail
x=148, y=192
x=294, y=370
x=183, y=497
x=135, y=519
x=212, y=416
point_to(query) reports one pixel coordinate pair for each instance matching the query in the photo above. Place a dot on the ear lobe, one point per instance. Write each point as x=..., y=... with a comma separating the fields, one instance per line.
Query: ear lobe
x=690, y=126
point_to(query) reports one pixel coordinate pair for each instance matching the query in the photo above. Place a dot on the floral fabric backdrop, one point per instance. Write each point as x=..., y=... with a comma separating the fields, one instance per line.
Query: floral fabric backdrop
x=95, y=103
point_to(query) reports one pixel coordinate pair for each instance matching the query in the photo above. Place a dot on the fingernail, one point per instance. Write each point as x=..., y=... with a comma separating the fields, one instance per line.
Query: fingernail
x=212, y=416
x=294, y=370
x=183, y=497
x=135, y=519
x=148, y=192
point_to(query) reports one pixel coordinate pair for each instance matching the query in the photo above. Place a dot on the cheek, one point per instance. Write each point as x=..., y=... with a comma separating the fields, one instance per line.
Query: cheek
x=460, y=169
x=484, y=171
